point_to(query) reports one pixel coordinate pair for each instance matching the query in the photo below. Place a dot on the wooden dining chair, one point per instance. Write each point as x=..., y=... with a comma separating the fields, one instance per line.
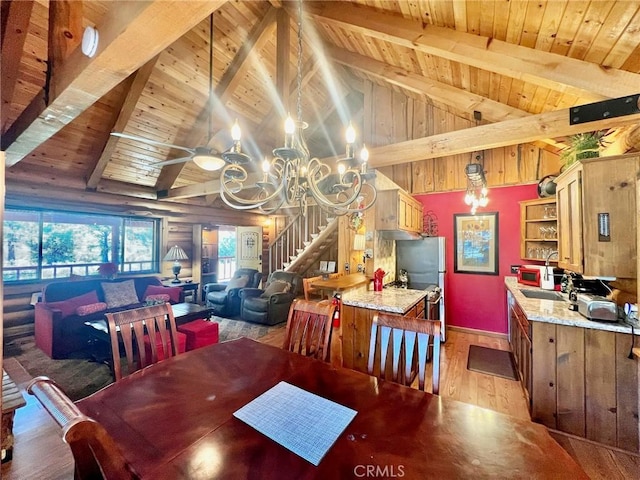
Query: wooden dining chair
x=308, y=290
x=401, y=333
x=309, y=328
x=95, y=453
x=148, y=335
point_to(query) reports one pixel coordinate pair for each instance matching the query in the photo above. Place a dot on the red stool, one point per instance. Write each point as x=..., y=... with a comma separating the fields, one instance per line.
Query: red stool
x=182, y=344
x=200, y=333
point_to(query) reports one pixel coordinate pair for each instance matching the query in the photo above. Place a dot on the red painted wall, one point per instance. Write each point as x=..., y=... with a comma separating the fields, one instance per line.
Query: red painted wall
x=473, y=300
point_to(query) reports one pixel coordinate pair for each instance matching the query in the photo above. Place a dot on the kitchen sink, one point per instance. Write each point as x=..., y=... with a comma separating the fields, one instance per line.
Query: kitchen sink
x=543, y=295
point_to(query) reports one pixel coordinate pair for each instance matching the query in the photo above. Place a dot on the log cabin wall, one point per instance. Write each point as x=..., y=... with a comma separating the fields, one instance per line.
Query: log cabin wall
x=178, y=220
x=391, y=117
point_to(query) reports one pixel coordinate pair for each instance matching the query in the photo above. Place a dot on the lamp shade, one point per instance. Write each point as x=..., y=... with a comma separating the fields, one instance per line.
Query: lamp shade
x=175, y=253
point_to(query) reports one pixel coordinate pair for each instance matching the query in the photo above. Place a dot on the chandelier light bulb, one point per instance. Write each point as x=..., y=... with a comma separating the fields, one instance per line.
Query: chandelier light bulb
x=341, y=168
x=364, y=154
x=484, y=191
x=289, y=126
x=266, y=165
x=468, y=198
x=483, y=202
x=236, y=133
x=351, y=134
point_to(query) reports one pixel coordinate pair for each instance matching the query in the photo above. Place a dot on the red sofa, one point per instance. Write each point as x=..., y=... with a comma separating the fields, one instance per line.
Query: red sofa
x=66, y=306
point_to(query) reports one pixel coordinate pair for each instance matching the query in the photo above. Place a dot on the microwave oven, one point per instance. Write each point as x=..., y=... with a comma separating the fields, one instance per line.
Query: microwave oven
x=530, y=275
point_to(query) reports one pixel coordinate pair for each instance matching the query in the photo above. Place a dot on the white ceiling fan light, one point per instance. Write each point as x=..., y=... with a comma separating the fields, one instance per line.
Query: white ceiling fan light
x=206, y=160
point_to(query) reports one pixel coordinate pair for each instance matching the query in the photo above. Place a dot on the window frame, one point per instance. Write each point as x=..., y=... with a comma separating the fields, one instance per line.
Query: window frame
x=118, y=223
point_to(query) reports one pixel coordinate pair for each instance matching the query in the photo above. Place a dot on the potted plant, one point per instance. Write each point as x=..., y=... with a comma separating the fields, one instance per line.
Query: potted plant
x=583, y=145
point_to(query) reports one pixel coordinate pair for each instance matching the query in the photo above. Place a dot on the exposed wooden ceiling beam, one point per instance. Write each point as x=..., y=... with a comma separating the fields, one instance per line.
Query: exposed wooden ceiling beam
x=137, y=84
x=17, y=14
x=457, y=98
x=588, y=81
x=80, y=81
x=509, y=132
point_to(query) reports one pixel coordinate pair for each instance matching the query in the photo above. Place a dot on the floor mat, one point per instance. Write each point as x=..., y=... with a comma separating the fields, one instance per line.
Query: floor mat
x=492, y=362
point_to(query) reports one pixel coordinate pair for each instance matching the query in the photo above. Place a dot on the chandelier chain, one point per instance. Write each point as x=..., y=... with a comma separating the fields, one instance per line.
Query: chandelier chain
x=299, y=65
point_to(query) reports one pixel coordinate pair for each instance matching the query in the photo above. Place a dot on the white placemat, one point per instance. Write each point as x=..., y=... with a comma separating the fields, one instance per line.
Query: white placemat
x=300, y=421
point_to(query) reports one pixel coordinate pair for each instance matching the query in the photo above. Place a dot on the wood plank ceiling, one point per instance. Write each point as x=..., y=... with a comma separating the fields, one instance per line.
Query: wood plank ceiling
x=521, y=63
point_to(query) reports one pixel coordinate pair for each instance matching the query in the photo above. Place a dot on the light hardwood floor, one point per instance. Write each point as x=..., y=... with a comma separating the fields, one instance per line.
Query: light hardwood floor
x=40, y=453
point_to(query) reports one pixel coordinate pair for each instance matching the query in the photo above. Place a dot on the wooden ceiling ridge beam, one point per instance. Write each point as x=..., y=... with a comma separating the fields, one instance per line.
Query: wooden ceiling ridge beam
x=591, y=82
x=137, y=82
x=80, y=81
x=494, y=135
x=16, y=14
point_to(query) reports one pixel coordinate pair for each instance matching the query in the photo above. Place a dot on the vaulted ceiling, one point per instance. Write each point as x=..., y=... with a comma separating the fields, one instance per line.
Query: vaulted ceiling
x=522, y=64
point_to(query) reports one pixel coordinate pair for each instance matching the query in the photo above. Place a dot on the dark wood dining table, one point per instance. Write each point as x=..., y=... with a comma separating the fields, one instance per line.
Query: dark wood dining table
x=175, y=420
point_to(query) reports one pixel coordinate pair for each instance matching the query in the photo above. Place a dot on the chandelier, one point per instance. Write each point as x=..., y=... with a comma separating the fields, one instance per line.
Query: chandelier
x=476, y=195
x=293, y=177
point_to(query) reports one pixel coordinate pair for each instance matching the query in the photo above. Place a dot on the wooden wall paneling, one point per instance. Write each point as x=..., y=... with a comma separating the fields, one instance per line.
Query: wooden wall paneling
x=544, y=374
x=422, y=176
x=550, y=164
x=627, y=395
x=384, y=117
x=402, y=121
x=570, y=379
x=600, y=386
x=529, y=165
x=511, y=164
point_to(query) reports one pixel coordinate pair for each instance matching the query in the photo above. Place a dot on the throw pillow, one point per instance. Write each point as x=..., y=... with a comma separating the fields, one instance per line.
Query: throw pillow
x=238, y=282
x=83, y=310
x=120, y=294
x=70, y=305
x=156, y=299
x=277, y=286
x=173, y=292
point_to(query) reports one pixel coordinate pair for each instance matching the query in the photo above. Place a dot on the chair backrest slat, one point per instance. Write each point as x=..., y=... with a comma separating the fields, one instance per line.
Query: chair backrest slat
x=309, y=328
x=408, y=336
x=95, y=453
x=130, y=327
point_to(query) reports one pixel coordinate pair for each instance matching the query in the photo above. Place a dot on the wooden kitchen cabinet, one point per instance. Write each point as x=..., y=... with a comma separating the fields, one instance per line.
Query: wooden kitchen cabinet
x=520, y=339
x=538, y=229
x=397, y=210
x=597, y=225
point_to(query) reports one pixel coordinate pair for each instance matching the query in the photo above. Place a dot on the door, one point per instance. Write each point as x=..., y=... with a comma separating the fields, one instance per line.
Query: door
x=249, y=247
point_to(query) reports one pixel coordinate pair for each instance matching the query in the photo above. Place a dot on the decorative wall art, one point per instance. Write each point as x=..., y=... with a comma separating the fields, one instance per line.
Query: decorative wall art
x=476, y=243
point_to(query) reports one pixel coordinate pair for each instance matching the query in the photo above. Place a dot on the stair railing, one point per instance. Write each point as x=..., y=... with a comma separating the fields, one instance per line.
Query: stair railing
x=293, y=236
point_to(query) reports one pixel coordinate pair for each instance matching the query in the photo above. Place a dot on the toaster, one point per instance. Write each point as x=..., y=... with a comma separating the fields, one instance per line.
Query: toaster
x=595, y=307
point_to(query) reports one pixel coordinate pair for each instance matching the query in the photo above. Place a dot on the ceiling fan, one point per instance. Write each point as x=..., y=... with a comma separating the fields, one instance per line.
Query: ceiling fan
x=203, y=156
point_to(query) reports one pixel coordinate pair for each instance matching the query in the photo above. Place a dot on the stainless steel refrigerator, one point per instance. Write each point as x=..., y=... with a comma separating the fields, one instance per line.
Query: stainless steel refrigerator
x=425, y=263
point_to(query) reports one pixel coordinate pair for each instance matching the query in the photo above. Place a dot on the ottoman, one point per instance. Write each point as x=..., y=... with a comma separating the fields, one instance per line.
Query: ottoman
x=182, y=343
x=200, y=333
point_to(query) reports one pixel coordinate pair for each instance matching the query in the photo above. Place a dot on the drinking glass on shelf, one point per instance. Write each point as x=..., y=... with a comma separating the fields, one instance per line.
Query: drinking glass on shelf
x=530, y=252
x=546, y=211
x=553, y=232
x=552, y=211
x=543, y=232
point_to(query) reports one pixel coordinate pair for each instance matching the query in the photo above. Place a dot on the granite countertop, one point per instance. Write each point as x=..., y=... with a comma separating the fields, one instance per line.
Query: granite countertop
x=394, y=300
x=552, y=311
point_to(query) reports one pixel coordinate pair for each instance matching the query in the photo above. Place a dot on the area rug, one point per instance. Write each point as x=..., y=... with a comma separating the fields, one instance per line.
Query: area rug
x=79, y=376
x=492, y=362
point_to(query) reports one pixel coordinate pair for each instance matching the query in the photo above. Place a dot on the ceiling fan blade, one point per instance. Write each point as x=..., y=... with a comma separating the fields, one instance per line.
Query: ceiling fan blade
x=152, y=142
x=173, y=161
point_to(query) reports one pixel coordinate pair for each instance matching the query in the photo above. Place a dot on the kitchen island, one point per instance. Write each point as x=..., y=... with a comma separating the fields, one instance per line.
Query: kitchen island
x=576, y=372
x=358, y=309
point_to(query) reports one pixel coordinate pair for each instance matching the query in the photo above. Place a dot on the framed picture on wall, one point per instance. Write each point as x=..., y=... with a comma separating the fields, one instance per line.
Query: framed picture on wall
x=476, y=243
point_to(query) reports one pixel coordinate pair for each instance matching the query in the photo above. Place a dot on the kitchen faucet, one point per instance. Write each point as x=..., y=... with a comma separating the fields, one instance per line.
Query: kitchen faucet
x=546, y=263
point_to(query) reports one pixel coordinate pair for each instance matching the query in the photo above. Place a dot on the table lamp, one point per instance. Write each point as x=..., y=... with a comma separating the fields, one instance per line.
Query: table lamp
x=175, y=254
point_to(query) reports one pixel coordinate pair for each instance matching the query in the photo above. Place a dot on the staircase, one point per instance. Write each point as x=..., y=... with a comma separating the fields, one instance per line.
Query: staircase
x=303, y=242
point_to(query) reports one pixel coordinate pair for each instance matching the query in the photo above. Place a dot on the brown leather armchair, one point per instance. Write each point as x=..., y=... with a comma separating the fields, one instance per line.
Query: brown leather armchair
x=271, y=305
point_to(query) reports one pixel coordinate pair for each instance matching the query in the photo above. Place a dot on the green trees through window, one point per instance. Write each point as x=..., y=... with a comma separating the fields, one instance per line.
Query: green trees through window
x=43, y=245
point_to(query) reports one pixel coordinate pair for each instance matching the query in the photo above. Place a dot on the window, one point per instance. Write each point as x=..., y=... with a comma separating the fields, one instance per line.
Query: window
x=44, y=245
x=226, y=253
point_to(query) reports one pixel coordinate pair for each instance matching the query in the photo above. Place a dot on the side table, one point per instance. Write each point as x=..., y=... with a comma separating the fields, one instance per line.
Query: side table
x=12, y=399
x=189, y=288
